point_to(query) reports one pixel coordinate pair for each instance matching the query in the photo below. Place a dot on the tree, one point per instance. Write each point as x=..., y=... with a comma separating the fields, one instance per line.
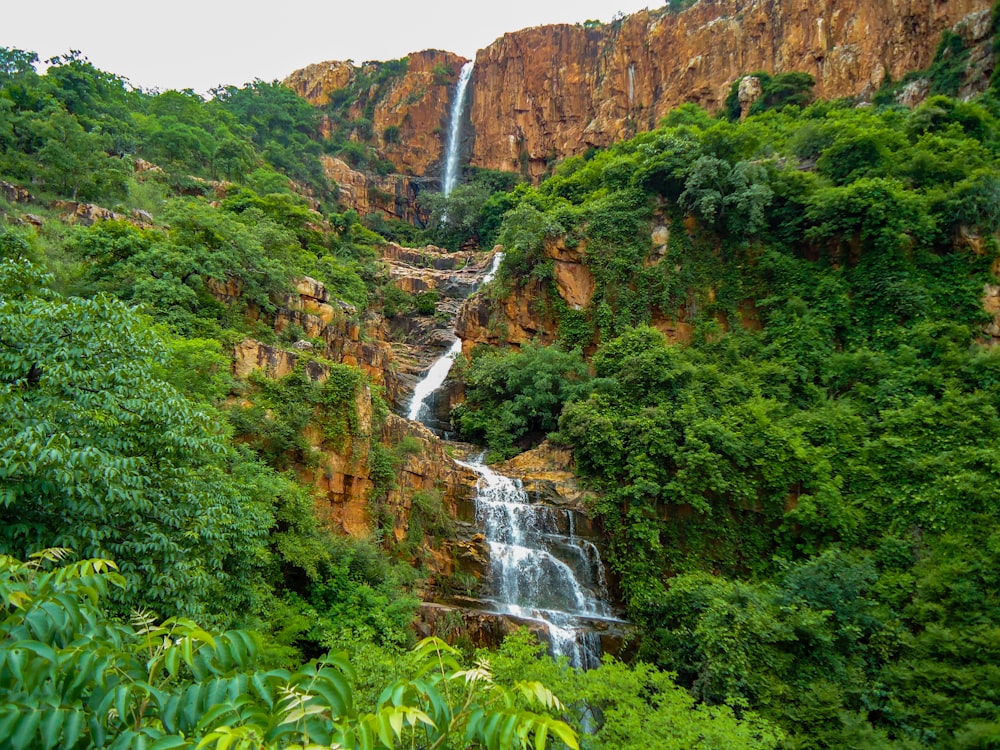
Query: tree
x=733, y=198
x=512, y=396
x=74, y=161
x=98, y=454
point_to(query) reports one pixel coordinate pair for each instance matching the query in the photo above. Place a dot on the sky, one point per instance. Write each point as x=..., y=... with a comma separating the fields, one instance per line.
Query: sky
x=200, y=44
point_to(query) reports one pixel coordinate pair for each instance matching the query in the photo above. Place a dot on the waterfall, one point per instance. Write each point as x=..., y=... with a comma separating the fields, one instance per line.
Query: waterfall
x=433, y=380
x=435, y=376
x=455, y=131
x=539, y=569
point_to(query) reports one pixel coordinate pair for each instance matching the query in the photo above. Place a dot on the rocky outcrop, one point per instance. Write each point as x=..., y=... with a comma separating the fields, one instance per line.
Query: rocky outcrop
x=250, y=355
x=487, y=629
x=316, y=82
x=14, y=193
x=423, y=467
x=452, y=275
x=547, y=475
x=514, y=319
x=991, y=304
x=86, y=214
x=408, y=117
x=552, y=91
x=522, y=315
x=393, y=195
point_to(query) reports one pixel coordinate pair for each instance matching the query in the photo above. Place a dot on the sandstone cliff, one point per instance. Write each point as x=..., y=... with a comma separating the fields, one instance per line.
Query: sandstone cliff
x=407, y=114
x=549, y=92
x=412, y=107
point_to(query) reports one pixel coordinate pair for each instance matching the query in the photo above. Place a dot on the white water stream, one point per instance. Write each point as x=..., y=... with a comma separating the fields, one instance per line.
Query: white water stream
x=539, y=568
x=454, y=145
x=434, y=378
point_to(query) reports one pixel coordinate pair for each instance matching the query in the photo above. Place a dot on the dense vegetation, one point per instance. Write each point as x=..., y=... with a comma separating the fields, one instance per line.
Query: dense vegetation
x=797, y=484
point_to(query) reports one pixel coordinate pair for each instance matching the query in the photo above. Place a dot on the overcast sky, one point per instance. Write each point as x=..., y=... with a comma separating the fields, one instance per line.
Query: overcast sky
x=200, y=44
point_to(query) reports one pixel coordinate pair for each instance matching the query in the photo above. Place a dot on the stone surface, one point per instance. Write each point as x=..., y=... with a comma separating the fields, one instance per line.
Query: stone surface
x=416, y=104
x=521, y=315
x=393, y=195
x=73, y=212
x=554, y=91
x=14, y=193
x=486, y=629
x=991, y=303
x=517, y=318
x=250, y=355
x=750, y=91
x=316, y=82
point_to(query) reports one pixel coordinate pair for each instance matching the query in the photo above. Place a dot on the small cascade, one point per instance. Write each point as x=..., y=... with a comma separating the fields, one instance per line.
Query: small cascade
x=538, y=571
x=434, y=378
x=454, y=144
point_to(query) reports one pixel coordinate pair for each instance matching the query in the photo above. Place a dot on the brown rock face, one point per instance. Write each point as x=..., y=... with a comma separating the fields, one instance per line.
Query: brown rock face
x=86, y=214
x=14, y=194
x=488, y=630
x=393, y=195
x=991, y=304
x=545, y=93
x=414, y=109
x=521, y=315
x=554, y=91
x=316, y=82
x=419, y=107
x=517, y=318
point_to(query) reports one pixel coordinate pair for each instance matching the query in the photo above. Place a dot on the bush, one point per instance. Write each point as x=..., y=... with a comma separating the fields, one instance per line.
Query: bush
x=514, y=398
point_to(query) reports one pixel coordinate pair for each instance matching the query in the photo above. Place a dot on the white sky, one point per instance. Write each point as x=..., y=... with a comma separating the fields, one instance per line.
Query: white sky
x=200, y=44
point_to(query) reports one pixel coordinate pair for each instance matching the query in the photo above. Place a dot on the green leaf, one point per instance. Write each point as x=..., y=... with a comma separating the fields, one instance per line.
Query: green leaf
x=541, y=736
x=51, y=727
x=24, y=731
x=73, y=727
x=170, y=742
x=566, y=734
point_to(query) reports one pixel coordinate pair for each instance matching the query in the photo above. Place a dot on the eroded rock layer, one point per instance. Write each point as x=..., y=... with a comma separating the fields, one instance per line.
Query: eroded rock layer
x=552, y=91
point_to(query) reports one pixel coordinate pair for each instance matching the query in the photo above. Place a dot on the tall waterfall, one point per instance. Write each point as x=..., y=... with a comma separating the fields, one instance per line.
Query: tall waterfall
x=539, y=568
x=454, y=144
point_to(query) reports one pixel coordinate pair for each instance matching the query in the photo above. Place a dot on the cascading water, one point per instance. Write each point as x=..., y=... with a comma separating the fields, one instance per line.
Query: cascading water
x=435, y=376
x=540, y=569
x=455, y=131
x=433, y=380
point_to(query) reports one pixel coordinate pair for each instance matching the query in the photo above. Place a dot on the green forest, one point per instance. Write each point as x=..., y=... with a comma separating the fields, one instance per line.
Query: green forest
x=797, y=487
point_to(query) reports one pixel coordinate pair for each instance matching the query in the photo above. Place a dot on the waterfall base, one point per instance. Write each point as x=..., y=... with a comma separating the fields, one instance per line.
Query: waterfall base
x=487, y=629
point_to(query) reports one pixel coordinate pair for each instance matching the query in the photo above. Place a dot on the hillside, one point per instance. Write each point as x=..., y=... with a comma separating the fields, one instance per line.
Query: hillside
x=743, y=353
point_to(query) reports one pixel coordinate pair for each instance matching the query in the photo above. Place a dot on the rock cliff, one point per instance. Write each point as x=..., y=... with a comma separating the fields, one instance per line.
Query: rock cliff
x=544, y=93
